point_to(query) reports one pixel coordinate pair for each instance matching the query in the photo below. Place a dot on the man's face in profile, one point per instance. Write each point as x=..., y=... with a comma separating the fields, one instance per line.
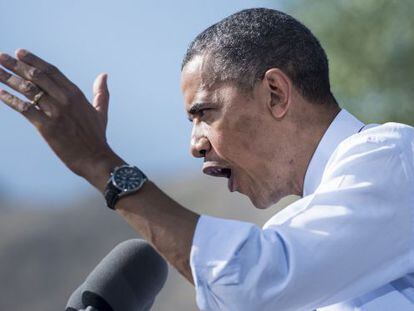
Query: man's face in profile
x=231, y=132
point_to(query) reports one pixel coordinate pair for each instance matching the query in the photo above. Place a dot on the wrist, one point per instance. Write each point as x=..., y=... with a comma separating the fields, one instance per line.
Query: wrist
x=99, y=171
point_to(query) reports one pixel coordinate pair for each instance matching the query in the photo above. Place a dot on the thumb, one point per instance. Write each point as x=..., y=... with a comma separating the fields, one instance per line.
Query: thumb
x=101, y=96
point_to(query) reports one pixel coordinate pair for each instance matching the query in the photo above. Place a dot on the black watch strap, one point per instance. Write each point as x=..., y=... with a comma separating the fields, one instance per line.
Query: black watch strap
x=111, y=195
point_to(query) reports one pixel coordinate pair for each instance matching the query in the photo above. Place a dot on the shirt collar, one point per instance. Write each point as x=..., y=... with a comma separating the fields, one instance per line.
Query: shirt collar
x=343, y=126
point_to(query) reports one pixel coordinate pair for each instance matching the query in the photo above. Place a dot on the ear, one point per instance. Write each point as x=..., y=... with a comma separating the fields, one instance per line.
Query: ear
x=279, y=88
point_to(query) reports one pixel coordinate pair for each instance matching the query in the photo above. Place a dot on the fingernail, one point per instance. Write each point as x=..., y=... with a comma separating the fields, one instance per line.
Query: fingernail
x=22, y=52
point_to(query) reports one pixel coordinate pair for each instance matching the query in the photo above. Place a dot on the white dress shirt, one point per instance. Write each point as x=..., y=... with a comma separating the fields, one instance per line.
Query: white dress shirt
x=348, y=244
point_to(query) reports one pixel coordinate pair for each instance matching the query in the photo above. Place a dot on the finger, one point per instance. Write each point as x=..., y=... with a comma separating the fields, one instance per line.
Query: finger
x=34, y=75
x=29, y=90
x=101, y=96
x=50, y=70
x=26, y=88
x=29, y=111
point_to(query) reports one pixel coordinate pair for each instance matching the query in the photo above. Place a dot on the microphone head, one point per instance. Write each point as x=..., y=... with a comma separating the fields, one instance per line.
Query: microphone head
x=127, y=279
x=75, y=300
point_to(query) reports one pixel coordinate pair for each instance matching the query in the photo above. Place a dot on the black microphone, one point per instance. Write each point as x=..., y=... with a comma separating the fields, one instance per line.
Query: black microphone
x=75, y=300
x=127, y=279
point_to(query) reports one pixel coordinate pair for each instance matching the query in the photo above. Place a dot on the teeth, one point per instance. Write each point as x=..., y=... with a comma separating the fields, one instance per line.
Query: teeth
x=219, y=172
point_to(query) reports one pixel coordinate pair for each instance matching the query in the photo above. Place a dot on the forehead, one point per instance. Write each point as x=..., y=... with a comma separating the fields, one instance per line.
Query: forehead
x=197, y=80
x=198, y=67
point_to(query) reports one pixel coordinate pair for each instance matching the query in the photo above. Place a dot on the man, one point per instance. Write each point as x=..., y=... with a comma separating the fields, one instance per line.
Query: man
x=257, y=91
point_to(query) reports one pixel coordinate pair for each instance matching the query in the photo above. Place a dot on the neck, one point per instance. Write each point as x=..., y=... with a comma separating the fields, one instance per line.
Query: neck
x=311, y=130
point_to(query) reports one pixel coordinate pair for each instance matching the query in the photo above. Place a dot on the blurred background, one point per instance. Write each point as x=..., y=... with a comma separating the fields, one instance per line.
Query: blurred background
x=54, y=227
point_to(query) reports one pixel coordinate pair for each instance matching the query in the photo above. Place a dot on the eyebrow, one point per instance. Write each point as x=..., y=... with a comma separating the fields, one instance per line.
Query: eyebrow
x=196, y=108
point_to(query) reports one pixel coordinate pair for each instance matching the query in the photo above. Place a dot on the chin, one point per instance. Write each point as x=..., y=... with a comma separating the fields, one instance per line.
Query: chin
x=260, y=204
x=264, y=202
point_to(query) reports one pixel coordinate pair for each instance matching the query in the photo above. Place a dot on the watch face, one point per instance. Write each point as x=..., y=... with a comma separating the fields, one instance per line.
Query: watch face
x=127, y=178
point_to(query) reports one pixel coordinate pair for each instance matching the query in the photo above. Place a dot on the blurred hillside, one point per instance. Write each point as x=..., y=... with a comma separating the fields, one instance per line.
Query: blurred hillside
x=46, y=252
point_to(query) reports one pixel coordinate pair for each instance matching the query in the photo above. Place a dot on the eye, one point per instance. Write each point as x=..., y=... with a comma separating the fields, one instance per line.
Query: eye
x=201, y=113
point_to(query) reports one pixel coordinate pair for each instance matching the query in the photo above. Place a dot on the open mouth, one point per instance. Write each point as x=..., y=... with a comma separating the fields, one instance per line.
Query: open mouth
x=217, y=171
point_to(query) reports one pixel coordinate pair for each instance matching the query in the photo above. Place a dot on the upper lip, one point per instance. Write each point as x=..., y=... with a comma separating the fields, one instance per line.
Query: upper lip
x=216, y=169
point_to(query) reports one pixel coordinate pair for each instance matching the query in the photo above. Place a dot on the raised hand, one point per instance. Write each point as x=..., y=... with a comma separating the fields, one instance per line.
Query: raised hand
x=73, y=128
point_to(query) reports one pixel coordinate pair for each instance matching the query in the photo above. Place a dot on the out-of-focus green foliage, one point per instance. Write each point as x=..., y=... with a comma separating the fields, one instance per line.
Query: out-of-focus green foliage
x=370, y=46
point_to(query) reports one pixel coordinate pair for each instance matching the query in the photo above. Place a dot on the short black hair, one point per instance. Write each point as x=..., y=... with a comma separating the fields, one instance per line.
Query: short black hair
x=244, y=45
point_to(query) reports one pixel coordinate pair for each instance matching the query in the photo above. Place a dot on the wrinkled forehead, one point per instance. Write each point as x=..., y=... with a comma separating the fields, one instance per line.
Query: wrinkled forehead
x=197, y=80
x=199, y=68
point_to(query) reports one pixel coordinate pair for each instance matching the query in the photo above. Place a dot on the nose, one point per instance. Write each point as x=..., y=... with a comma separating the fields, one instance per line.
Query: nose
x=199, y=145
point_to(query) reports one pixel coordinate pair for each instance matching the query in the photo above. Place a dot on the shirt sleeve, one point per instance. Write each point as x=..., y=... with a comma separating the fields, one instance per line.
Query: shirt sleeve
x=354, y=234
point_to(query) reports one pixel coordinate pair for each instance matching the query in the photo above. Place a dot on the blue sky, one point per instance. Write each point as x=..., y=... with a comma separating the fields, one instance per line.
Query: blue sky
x=140, y=44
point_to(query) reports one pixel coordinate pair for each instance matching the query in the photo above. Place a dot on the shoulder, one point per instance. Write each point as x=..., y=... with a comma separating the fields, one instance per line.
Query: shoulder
x=379, y=149
x=394, y=137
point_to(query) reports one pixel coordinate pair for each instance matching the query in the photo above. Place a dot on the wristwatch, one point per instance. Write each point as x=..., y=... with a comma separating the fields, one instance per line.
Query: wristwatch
x=124, y=180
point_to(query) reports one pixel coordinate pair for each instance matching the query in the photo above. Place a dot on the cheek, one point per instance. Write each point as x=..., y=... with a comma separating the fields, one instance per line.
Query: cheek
x=245, y=129
x=237, y=139
x=252, y=133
